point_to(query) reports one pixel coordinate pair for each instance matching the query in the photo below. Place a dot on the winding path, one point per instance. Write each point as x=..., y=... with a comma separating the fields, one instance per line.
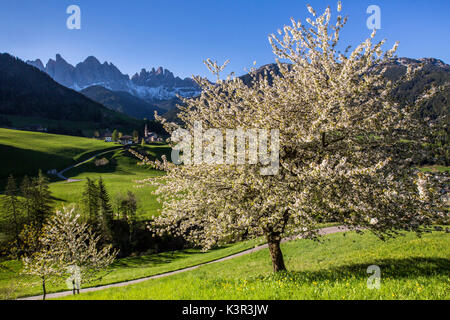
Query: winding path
x=323, y=231
x=60, y=174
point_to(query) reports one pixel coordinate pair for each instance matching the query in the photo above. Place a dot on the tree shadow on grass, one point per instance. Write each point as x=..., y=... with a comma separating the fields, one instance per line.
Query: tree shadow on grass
x=58, y=199
x=90, y=168
x=157, y=259
x=390, y=268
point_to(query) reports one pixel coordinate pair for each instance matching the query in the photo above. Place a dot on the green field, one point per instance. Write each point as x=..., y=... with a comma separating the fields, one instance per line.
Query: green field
x=411, y=268
x=120, y=175
x=24, y=153
x=13, y=285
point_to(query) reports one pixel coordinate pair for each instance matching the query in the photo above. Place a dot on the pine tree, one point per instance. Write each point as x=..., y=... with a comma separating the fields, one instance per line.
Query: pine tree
x=105, y=211
x=91, y=201
x=41, y=200
x=25, y=192
x=12, y=211
x=127, y=209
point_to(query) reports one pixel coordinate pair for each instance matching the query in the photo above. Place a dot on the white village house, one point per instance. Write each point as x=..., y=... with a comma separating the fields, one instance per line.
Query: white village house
x=108, y=137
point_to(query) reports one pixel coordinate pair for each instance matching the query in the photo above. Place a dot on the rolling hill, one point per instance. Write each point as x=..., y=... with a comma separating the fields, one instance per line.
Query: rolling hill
x=24, y=153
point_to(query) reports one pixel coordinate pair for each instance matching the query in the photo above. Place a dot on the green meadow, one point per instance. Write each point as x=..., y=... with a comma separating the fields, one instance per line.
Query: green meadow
x=24, y=153
x=121, y=174
x=14, y=285
x=411, y=268
x=336, y=268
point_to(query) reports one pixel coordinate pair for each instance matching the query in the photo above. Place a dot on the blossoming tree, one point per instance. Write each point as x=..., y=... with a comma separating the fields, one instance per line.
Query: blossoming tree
x=66, y=247
x=345, y=147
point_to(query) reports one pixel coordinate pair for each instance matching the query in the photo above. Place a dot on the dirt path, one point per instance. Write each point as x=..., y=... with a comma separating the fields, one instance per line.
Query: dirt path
x=323, y=231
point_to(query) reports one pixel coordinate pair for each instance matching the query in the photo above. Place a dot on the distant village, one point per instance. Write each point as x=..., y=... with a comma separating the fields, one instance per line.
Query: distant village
x=149, y=137
x=108, y=136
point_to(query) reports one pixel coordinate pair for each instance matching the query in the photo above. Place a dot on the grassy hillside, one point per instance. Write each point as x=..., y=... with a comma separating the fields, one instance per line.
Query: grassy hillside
x=120, y=176
x=13, y=285
x=411, y=268
x=25, y=152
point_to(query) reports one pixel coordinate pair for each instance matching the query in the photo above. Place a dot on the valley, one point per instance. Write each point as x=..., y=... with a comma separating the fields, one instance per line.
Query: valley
x=25, y=153
x=319, y=172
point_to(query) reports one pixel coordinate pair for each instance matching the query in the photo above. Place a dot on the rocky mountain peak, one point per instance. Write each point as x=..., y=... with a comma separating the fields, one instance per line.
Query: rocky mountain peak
x=91, y=60
x=156, y=84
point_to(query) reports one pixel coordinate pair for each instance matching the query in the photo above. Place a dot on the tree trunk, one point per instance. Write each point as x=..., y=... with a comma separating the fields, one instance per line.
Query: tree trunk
x=43, y=289
x=275, y=253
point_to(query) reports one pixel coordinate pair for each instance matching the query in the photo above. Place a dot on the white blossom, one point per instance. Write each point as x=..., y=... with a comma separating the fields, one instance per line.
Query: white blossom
x=341, y=134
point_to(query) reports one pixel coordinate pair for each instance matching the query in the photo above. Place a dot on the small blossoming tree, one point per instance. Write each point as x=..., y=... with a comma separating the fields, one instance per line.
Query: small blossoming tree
x=39, y=259
x=76, y=247
x=66, y=248
x=345, y=147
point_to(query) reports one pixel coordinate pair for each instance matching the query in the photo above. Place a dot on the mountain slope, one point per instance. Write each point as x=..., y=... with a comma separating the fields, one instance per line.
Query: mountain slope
x=434, y=72
x=26, y=91
x=122, y=101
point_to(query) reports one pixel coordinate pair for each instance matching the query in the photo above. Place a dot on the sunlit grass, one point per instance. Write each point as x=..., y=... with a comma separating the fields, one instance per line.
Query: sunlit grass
x=411, y=268
x=25, y=152
x=121, y=174
x=13, y=284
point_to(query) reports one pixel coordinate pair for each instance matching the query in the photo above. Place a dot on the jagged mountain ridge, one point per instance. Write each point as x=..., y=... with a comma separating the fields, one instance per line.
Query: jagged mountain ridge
x=159, y=84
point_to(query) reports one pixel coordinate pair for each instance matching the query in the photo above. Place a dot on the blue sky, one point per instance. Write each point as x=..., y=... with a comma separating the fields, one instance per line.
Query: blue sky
x=179, y=35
